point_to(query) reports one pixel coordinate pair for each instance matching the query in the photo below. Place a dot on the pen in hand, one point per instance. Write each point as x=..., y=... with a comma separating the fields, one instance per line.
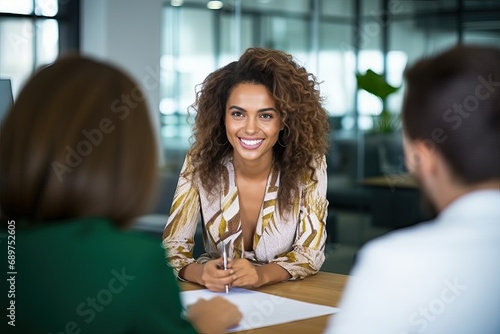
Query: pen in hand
x=224, y=259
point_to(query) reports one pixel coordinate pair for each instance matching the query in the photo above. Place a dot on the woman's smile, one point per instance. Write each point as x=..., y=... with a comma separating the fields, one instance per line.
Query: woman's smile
x=252, y=122
x=251, y=144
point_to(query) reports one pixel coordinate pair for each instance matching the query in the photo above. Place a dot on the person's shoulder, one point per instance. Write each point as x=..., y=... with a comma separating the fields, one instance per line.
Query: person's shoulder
x=140, y=241
x=124, y=242
x=403, y=254
x=139, y=237
x=404, y=243
x=141, y=254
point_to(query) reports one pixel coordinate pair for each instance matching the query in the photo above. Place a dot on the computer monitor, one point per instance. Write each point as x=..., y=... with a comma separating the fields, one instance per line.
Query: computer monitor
x=6, y=98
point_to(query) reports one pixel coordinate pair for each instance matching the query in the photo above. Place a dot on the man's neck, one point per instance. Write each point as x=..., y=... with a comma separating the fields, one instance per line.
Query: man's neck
x=452, y=192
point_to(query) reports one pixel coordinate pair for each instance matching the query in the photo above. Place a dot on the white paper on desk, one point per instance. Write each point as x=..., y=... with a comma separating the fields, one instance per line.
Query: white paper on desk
x=261, y=309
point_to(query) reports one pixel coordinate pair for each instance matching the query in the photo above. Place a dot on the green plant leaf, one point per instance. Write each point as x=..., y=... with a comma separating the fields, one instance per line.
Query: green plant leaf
x=375, y=84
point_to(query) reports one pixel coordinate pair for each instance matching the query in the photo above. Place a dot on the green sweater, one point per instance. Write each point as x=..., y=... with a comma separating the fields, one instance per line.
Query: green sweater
x=87, y=276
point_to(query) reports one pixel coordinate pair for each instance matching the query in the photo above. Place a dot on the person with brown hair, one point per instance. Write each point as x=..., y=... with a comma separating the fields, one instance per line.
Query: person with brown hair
x=440, y=276
x=256, y=174
x=78, y=162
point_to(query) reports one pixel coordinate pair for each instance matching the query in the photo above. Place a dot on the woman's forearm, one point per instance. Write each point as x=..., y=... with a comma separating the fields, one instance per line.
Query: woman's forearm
x=271, y=273
x=192, y=273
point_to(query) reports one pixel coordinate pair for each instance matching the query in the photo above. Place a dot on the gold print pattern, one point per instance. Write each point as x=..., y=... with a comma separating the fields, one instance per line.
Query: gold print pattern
x=294, y=241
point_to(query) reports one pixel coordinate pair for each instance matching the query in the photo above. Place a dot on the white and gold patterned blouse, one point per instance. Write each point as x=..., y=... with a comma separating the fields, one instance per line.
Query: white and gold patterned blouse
x=295, y=241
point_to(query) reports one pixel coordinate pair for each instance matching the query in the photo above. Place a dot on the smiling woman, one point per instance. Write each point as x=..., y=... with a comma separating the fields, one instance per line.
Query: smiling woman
x=252, y=124
x=257, y=175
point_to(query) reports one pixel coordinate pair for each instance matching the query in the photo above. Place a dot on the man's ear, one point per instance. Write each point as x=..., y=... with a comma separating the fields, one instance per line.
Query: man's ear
x=412, y=156
x=425, y=157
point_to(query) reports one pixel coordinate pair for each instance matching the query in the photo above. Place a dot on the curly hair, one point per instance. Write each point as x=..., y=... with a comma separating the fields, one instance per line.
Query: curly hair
x=303, y=141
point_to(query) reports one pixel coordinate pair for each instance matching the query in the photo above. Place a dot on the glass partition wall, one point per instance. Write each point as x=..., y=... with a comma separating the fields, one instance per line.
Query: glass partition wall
x=34, y=33
x=333, y=39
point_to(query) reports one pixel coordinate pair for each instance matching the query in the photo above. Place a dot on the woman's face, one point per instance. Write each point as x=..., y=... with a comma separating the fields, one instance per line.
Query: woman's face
x=252, y=122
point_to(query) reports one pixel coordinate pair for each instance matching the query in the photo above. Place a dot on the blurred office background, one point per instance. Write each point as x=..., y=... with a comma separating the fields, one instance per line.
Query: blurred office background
x=169, y=46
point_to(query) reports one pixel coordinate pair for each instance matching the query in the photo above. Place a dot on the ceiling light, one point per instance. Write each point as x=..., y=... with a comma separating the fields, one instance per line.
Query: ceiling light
x=176, y=3
x=215, y=4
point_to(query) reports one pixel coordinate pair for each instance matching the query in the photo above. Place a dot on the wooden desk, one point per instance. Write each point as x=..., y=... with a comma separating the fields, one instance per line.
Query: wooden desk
x=323, y=288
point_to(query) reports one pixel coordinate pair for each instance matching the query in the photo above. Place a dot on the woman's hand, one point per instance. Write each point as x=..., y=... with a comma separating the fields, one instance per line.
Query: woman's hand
x=214, y=277
x=214, y=315
x=240, y=272
x=250, y=276
x=246, y=274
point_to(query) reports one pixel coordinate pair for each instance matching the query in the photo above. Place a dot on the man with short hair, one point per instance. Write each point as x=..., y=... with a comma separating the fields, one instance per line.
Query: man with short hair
x=441, y=276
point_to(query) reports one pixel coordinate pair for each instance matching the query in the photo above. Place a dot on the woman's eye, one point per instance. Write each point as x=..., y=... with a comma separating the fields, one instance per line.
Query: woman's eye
x=267, y=116
x=236, y=114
